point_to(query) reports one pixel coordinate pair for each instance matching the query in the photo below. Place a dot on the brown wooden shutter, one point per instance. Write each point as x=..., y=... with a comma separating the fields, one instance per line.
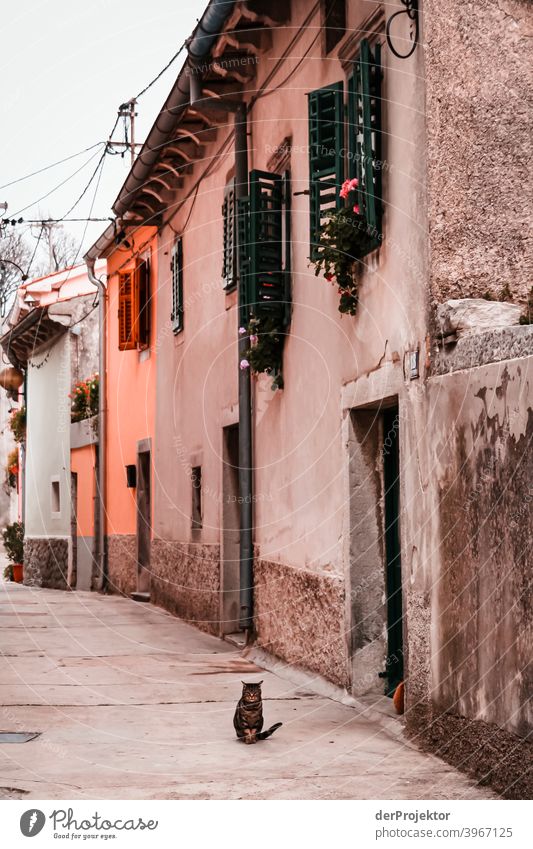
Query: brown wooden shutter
x=127, y=326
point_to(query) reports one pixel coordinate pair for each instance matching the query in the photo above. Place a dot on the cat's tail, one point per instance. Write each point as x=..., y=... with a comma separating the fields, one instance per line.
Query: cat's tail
x=264, y=734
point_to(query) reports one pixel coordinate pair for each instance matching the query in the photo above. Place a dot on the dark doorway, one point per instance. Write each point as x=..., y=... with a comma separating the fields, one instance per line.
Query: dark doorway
x=393, y=565
x=144, y=523
x=230, y=578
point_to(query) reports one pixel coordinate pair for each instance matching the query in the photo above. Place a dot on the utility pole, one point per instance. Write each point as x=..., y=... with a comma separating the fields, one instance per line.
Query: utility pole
x=128, y=113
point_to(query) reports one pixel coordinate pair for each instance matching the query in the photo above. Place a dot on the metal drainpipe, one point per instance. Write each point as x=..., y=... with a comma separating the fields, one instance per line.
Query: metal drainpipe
x=246, y=554
x=102, y=555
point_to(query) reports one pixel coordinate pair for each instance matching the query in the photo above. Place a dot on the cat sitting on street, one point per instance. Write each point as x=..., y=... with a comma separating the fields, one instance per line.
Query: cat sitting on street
x=248, y=718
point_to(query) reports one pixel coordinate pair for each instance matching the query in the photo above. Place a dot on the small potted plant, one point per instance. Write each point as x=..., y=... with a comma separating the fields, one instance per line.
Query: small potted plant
x=12, y=469
x=17, y=424
x=14, y=547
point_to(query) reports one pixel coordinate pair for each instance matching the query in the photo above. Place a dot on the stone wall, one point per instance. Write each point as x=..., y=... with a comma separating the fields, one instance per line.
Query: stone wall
x=46, y=562
x=299, y=617
x=477, y=57
x=122, y=563
x=186, y=581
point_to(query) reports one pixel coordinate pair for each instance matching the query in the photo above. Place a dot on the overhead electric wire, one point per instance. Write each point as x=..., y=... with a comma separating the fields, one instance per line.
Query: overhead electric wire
x=160, y=74
x=59, y=185
x=52, y=165
x=93, y=175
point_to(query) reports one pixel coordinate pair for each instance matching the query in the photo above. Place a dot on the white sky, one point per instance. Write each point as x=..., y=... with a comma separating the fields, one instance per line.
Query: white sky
x=66, y=67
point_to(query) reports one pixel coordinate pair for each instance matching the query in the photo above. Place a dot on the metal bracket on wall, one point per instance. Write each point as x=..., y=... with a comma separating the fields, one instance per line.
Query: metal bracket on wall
x=411, y=10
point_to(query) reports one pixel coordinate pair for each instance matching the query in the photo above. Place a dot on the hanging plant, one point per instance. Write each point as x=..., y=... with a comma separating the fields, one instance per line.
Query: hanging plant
x=344, y=240
x=84, y=397
x=264, y=356
x=12, y=468
x=17, y=423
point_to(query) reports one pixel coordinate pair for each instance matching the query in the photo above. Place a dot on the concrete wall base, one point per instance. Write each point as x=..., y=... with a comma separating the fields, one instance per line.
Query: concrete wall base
x=299, y=617
x=484, y=751
x=186, y=581
x=46, y=562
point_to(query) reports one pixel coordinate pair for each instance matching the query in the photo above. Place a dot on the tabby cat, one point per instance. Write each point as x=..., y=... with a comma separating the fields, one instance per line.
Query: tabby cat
x=248, y=719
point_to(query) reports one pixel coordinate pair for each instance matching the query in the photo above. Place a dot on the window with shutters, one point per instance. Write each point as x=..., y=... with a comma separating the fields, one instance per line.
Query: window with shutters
x=229, y=221
x=362, y=131
x=134, y=315
x=326, y=163
x=176, y=278
x=264, y=247
x=127, y=326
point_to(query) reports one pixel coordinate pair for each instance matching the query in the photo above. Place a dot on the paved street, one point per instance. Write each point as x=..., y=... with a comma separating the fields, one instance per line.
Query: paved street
x=133, y=703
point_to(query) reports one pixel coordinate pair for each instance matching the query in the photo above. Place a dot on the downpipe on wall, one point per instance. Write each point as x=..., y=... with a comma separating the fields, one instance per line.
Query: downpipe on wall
x=102, y=429
x=246, y=554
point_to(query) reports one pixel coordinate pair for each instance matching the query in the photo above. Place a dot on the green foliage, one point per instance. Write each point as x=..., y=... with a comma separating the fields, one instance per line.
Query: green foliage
x=266, y=348
x=84, y=399
x=13, y=537
x=17, y=423
x=345, y=239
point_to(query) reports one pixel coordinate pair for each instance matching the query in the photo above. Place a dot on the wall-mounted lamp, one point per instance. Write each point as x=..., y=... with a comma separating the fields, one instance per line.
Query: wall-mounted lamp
x=131, y=476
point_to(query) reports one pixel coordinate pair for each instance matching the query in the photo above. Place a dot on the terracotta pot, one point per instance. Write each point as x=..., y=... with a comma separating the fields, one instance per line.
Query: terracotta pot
x=398, y=698
x=11, y=378
x=17, y=572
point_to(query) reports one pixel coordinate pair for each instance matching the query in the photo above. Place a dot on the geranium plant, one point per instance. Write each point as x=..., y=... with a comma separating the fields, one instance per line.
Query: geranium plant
x=344, y=240
x=17, y=423
x=84, y=397
x=264, y=355
x=12, y=468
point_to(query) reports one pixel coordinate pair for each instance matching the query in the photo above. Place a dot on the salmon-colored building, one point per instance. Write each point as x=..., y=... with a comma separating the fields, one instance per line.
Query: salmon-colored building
x=129, y=293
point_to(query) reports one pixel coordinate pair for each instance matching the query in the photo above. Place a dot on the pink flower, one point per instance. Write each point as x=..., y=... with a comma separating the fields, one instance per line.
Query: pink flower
x=242, y=331
x=345, y=188
x=244, y=364
x=353, y=184
x=329, y=277
x=254, y=339
x=356, y=209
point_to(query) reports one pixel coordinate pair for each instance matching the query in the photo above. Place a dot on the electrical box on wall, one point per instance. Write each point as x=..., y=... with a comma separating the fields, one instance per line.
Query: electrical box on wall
x=131, y=476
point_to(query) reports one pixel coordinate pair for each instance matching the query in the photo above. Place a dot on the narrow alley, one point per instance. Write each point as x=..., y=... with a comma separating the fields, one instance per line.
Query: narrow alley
x=131, y=702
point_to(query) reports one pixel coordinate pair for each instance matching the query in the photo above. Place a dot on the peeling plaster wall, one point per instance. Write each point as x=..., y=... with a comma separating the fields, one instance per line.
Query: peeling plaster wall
x=482, y=424
x=477, y=61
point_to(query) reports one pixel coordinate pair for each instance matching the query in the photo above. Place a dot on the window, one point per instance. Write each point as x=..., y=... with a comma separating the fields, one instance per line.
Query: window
x=196, y=513
x=264, y=246
x=229, y=271
x=334, y=14
x=134, y=307
x=176, y=276
x=327, y=144
x=55, y=496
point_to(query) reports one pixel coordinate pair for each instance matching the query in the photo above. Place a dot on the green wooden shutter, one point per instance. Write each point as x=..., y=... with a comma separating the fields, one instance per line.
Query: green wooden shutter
x=326, y=164
x=364, y=122
x=176, y=274
x=267, y=279
x=228, y=218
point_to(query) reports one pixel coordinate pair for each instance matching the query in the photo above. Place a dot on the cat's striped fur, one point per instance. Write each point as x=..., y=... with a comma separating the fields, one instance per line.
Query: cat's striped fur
x=248, y=718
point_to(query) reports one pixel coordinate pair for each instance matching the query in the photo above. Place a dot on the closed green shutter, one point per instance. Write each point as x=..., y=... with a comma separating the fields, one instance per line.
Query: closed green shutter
x=176, y=273
x=326, y=164
x=228, y=220
x=267, y=279
x=364, y=134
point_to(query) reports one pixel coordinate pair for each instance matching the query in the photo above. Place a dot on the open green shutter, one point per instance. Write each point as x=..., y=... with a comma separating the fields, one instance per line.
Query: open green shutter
x=326, y=164
x=243, y=254
x=228, y=219
x=267, y=279
x=364, y=123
